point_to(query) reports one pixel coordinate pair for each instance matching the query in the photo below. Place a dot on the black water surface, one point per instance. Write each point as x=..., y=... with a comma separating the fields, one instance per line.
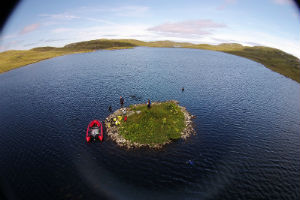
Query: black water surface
x=247, y=144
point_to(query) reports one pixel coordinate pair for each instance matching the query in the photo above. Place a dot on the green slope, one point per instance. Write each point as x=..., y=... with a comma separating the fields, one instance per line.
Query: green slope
x=272, y=58
x=17, y=58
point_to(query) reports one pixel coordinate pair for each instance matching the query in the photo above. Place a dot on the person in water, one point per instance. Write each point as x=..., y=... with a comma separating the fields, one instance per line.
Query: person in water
x=110, y=108
x=121, y=101
x=182, y=89
x=149, y=103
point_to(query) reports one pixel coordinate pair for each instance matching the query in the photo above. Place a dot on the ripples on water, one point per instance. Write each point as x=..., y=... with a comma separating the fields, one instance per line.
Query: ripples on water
x=246, y=146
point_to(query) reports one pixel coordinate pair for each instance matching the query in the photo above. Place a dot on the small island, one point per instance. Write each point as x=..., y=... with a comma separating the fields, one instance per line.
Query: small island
x=140, y=126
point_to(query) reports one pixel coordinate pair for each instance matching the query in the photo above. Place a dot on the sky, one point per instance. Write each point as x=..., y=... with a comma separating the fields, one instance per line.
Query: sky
x=273, y=23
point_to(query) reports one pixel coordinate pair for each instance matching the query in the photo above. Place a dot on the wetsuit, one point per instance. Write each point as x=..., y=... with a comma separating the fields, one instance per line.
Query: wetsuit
x=121, y=101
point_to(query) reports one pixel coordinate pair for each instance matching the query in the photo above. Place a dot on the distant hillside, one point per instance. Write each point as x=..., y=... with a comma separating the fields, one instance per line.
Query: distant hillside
x=17, y=58
x=98, y=44
x=272, y=58
x=220, y=47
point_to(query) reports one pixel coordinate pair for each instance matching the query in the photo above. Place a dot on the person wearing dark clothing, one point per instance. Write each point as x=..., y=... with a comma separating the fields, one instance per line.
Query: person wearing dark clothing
x=149, y=103
x=182, y=89
x=121, y=101
x=110, y=109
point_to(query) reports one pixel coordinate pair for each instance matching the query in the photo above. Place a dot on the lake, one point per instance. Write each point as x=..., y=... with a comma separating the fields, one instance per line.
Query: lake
x=246, y=146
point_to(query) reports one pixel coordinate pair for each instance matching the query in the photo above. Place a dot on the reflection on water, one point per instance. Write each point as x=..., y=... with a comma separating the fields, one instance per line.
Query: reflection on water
x=246, y=146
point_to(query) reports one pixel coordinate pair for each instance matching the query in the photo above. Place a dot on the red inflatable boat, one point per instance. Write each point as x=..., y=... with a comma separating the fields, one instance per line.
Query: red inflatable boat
x=94, y=130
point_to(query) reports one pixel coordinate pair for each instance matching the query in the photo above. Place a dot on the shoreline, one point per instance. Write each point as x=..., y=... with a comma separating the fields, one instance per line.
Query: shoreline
x=271, y=58
x=113, y=132
x=45, y=56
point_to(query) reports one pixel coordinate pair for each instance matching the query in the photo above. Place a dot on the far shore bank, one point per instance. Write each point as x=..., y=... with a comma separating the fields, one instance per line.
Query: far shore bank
x=14, y=59
x=274, y=59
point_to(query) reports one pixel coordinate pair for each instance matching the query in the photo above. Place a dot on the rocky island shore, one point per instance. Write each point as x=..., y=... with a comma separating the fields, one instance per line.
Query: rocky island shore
x=138, y=126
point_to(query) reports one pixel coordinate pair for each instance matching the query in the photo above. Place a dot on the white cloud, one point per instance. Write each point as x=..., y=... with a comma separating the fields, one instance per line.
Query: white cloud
x=131, y=11
x=251, y=38
x=125, y=11
x=225, y=4
x=98, y=20
x=61, y=30
x=61, y=16
x=54, y=19
x=192, y=27
x=9, y=36
x=117, y=31
x=196, y=31
x=29, y=28
x=14, y=44
x=58, y=18
x=284, y=2
x=190, y=31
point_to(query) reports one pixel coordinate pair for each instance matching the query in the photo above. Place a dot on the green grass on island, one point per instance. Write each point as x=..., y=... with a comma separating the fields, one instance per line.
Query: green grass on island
x=274, y=59
x=158, y=125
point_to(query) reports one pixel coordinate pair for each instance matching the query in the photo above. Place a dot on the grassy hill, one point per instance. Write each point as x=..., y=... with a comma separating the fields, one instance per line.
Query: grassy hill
x=17, y=58
x=272, y=58
x=98, y=44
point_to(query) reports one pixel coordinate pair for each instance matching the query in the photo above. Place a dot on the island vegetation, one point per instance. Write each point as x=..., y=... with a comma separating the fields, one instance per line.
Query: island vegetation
x=140, y=126
x=274, y=59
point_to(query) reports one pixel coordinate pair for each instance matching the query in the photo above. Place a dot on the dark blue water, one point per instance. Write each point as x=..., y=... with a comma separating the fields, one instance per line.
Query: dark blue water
x=247, y=144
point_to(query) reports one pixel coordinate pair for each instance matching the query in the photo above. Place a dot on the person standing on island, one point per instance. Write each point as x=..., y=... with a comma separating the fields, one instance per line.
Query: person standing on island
x=121, y=101
x=149, y=103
